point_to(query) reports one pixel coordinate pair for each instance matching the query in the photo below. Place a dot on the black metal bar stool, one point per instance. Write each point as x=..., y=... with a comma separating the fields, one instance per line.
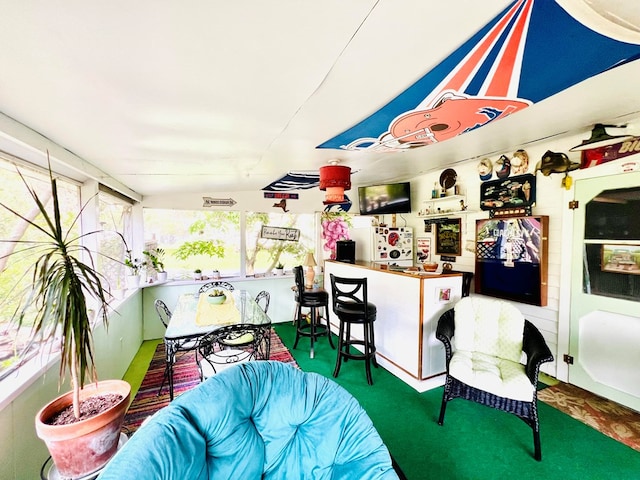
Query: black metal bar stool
x=351, y=306
x=312, y=299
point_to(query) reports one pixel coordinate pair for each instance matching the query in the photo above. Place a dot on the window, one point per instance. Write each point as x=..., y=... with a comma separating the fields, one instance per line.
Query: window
x=16, y=258
x=211, y=240
x=195, y=239
x=263, y=254
x=612, y=245
x=114, y=216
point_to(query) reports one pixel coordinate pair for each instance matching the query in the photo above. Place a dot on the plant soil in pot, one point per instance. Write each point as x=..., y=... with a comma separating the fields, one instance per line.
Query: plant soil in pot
x=83, y=447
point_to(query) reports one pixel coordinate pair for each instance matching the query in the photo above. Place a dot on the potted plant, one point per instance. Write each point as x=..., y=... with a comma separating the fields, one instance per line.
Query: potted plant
x=134, y=266
x=197, y=274
x=56, y=306
x=279, y=269
x=155, y=259
x=215, y=274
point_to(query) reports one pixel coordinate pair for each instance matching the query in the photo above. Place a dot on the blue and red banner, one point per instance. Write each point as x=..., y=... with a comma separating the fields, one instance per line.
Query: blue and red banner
x=530, y=51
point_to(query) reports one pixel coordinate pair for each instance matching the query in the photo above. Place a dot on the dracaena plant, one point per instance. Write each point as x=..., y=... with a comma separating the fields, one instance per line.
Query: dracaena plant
x=55, y=304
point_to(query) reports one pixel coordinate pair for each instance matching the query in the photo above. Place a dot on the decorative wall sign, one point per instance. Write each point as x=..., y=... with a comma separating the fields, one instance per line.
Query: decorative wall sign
x=448, y=237
x=280, y=233
x=218, y=202
x=512, y=192
x=282, y=204
x=598, y=156
x=288, y=196
x=423, y=250
x=500, y=70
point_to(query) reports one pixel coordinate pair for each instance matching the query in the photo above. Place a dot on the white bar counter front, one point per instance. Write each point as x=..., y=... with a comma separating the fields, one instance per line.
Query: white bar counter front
x=408, y=308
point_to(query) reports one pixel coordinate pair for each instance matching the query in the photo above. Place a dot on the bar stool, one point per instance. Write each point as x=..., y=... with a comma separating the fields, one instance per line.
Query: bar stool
x=312, y=299
x=351, y=306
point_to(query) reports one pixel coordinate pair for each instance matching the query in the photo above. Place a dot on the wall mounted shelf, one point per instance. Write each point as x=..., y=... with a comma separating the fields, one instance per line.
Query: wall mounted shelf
x=444, y=212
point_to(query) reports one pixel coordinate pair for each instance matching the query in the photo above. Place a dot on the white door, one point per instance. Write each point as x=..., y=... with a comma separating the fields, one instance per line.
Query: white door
x=605, y=288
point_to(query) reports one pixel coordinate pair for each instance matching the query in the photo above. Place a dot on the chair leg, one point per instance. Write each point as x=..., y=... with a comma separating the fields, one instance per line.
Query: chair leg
x=312, y=329
x=347, y=345
x=340, y=347
x=298, y=326
x=368, y=347
x=326, y=316
x=443, y=408
x=536, y=444
x=165, y=377
x=373, y=344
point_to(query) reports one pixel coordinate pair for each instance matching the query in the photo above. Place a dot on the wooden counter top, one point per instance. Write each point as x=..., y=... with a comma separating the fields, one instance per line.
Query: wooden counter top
x=381, y=267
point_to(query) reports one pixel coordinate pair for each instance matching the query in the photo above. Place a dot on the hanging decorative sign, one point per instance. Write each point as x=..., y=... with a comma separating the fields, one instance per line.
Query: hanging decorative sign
x=293, y=196
x=280, y=233
x=598, y=156
x=218, y=202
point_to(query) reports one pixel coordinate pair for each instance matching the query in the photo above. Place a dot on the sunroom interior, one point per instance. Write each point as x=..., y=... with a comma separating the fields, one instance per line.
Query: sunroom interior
x=175, y=123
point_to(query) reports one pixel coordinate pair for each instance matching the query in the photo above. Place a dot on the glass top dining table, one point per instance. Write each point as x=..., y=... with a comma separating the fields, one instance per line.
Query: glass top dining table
x=194, y=317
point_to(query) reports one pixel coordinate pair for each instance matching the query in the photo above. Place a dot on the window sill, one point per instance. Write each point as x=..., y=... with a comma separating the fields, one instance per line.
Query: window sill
x=14, y=384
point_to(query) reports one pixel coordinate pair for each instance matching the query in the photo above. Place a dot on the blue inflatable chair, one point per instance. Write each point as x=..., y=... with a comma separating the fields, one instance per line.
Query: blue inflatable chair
x=257, y=420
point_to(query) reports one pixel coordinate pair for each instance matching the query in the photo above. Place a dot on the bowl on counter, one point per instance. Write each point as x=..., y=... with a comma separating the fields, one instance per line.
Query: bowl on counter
x=430, y=266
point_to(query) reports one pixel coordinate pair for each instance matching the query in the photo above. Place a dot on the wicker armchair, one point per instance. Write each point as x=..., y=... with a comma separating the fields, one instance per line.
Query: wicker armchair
x=483, y=363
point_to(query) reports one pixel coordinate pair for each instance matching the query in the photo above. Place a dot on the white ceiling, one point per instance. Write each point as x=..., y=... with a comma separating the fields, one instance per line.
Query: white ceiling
x=211, y=96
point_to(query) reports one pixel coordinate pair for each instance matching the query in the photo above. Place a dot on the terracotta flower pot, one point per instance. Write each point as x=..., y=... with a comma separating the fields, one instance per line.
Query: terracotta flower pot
x=83, y=447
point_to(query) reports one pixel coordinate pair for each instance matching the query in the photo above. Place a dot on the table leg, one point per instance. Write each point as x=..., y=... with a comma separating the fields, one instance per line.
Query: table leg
x=170, y=359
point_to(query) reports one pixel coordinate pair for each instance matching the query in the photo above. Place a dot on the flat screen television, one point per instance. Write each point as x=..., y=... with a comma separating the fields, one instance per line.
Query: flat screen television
x=383, y=199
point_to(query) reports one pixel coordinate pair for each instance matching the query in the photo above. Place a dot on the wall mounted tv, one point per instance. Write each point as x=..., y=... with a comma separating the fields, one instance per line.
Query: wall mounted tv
x=383, y=199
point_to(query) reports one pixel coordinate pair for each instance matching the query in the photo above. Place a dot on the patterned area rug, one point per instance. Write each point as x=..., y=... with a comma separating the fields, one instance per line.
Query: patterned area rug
x=185, y=375
x=610, y=418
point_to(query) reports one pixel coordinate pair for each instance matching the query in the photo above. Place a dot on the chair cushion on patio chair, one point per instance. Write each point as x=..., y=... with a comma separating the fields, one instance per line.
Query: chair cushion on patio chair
x=489, y=326
x=488, y=348
x=492, y=374
x=257, y=420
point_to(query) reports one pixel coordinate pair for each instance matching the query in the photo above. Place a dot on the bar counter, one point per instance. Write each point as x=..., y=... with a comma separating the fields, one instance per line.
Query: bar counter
x=409, y=305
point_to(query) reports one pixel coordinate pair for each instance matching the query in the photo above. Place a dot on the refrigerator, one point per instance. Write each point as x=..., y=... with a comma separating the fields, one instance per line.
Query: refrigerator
x=383, y=244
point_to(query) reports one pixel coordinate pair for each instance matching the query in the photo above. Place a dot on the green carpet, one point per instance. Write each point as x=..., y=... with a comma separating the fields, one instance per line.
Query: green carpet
x=475, y=442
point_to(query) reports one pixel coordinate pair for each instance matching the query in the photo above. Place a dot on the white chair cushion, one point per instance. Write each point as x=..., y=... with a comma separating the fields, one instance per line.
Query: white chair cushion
x=241, y=340
x=501, y=377
x=489, y=326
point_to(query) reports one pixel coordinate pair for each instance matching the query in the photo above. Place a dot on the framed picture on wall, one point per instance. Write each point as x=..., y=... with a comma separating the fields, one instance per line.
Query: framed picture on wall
x=621, y=259
x=448, y=237
x=511, y=258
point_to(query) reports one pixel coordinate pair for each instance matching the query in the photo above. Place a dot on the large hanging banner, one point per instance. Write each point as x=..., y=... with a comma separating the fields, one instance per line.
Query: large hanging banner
x=529, y=52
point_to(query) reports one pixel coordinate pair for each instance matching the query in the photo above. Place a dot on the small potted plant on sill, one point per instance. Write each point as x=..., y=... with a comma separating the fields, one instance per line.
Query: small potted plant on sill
x=215, y=275
x=197, y=274
x=55, y=306
x=279, y=269
x=155, y=259
x=134, y=266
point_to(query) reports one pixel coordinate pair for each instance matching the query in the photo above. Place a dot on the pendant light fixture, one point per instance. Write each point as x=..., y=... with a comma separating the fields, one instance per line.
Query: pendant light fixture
x=334, y=180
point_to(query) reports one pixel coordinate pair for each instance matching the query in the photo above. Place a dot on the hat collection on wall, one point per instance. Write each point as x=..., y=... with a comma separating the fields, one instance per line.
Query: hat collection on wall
x=518, y=164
